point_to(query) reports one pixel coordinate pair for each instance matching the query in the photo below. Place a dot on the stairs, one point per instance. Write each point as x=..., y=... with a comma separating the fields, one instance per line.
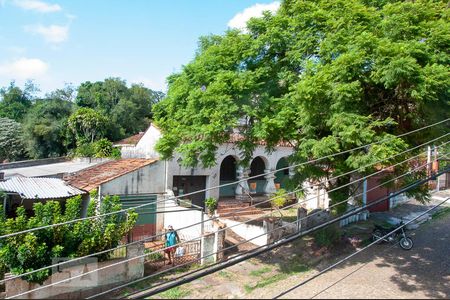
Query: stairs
x=233, y=208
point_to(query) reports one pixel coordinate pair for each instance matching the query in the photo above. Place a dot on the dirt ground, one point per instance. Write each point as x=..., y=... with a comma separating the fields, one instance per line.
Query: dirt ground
x=254, y=277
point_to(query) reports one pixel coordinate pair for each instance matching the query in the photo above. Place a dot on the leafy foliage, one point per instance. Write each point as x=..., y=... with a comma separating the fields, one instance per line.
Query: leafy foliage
x=129, y=109
x=279, y=199
x=45, y=128
x=211, y=204
x=327, y=76
x=11, y=145
x=26, y=252
x=15, y=102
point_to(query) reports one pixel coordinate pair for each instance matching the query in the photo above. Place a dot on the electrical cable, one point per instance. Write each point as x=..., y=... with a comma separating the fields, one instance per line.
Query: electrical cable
x=235, y=182
x=270, y=199
x=359, y=251
x=246, y=241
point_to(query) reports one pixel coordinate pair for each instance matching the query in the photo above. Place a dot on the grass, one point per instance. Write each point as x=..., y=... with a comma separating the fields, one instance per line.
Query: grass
x=226, y=275
x=441, y=213
x=259, y=272
x=175, y=293
x=265, y=282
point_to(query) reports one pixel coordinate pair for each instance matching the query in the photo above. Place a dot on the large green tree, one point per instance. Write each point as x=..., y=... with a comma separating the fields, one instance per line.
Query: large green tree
x=15, y=102
x=128, y=108
x=326, y=75
x=45, y=127
x=11, y=141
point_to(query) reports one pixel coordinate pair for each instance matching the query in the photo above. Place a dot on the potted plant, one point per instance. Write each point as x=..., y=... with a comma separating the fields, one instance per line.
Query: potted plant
x=211, y=205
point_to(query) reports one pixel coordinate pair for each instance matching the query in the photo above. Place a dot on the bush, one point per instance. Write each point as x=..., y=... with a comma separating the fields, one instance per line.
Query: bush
x=103, y=148
x=26, y=252
x=327, y=237
x=280, y=199
x=211, y=204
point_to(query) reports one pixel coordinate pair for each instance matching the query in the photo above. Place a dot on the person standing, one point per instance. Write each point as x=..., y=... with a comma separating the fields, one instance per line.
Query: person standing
x=171, y=239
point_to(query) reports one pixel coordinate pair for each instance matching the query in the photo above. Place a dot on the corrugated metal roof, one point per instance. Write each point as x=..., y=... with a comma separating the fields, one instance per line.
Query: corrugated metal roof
x=39, y=188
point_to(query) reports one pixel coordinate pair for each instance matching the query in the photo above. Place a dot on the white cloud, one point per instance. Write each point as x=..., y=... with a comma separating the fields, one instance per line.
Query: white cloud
x=239, y=21
x=156, y=84
x=37, y=5
x=53, y=34
x=24, y=68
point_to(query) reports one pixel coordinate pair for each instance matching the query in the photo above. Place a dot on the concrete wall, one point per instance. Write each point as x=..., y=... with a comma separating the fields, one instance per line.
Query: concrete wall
x=83, y=286
x=257, y=233
x=146, y=180
x=145, y=148
x=184, y=217
x=34, y=162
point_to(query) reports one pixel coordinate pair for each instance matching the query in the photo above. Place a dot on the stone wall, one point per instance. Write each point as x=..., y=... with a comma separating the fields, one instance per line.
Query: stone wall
x=83, y=286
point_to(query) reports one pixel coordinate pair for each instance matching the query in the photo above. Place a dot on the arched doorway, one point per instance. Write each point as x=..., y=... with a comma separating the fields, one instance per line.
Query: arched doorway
x=257, y=167
x=228, y=175
x=282, y=177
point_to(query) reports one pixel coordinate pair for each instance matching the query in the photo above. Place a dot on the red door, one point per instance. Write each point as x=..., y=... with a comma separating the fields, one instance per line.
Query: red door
x=376, y=192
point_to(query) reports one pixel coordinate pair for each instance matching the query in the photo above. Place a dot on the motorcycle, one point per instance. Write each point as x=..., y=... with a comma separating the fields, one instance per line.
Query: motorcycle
x=399, y=236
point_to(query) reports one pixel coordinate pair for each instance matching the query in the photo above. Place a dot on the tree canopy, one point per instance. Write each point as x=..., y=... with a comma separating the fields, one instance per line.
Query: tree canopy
x=11, y=145
x=72, y=120
x=324, y=75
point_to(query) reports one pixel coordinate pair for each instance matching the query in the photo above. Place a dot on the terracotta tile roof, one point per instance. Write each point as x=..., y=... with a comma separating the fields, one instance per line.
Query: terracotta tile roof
x=236, y=137
x=131, y=140
x=91, y=178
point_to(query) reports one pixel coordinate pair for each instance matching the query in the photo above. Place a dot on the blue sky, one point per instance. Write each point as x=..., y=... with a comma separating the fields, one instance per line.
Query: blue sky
x=54, y=42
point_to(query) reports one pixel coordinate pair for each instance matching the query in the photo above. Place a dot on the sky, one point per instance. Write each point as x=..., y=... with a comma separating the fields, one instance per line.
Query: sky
x=58, y=42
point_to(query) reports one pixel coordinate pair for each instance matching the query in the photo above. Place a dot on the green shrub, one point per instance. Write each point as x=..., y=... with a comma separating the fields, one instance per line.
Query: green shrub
x=327, y=237
x=85, y=150
x=34, y=250
x=280, y=199
x=211, y=204
x=103, y=148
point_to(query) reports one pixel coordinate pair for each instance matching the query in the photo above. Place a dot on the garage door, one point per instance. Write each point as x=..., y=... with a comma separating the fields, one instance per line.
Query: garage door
x=146, y=222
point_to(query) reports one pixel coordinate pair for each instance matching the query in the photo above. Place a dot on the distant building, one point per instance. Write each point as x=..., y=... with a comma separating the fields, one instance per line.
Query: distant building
x=27, y=191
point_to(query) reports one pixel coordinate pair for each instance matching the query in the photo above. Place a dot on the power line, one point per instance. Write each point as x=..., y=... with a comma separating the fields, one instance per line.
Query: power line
x=239, y=181
x=261, y=249
x=295, y=204
x=355, y=253
x=165, y=200
x=248, y=240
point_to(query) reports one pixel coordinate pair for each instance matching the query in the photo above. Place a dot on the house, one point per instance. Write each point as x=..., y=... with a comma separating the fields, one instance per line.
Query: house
x=135, y=181
x=183, y=180
x=27, y=191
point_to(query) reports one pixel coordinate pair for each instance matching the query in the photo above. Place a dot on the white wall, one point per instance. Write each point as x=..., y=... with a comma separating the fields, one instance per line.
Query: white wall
x=184, y=217
x=145, y=148
x=257, y=234
x=146, y=180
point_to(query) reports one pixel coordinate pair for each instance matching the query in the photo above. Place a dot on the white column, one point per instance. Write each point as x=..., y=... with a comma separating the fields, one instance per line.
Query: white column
x=270, y=182
x=291, y=172
x=242, y=187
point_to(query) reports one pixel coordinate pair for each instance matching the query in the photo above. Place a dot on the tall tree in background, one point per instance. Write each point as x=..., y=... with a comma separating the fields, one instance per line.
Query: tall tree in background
x=129, y=109
x=87, y=125
x=45, y=126
x=15, y=102
x=325, y=75
x=11, y=145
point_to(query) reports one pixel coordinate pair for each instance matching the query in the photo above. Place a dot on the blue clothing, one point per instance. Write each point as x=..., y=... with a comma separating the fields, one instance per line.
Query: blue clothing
x=171, y=238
